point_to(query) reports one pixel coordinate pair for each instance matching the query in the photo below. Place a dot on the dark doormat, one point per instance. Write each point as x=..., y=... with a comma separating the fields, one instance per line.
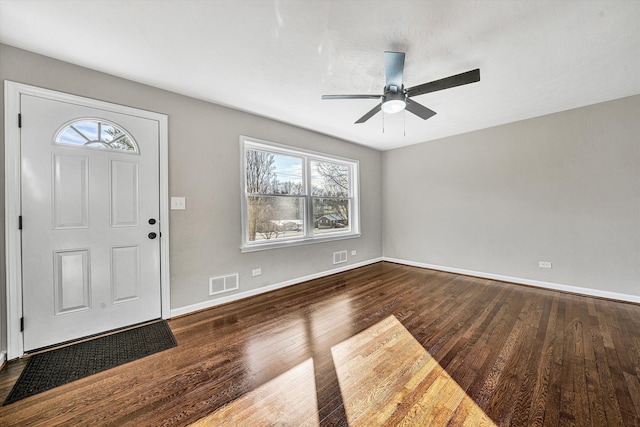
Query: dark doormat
x=54, y=368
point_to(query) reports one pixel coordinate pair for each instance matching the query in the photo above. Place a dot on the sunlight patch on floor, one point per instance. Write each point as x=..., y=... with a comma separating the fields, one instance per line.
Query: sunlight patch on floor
x=270, y=354
x=386, y=376
x=288, y=399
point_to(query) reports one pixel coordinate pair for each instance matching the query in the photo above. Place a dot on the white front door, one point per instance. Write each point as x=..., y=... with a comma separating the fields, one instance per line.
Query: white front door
x=90, y=220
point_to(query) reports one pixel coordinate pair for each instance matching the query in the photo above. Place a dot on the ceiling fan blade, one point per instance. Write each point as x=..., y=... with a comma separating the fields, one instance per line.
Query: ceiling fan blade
x=419, y=110
x=446, y=83
x=351, y=96
x=370, y=114
x=393, y=68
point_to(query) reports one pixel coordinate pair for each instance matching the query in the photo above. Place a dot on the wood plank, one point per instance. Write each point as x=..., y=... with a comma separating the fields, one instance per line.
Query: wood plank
x=540, y=390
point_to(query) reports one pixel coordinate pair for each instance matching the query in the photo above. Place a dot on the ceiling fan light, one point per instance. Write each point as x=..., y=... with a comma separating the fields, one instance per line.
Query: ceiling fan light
x=393, y=106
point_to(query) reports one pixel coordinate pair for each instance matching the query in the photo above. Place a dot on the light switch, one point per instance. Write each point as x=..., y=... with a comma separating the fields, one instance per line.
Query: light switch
x=178, y=204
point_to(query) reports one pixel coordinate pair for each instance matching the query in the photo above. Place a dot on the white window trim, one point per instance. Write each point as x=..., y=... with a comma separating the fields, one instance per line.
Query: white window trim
x=247, y=142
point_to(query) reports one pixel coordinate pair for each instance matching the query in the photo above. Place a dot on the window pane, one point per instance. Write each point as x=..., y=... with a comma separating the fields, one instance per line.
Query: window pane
x=330, y=215
x=109, y=133
x=70, y=136
x=273, y=217
x=273, y=173
x=330, y=179
x=116, y=138
x=88, y=128
x=123, y=143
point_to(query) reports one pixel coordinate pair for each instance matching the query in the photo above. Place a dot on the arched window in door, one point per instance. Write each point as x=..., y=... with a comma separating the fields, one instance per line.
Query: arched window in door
x=96, y=133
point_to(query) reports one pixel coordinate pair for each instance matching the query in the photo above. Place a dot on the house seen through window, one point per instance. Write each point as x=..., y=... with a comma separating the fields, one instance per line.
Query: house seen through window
x=294, y=196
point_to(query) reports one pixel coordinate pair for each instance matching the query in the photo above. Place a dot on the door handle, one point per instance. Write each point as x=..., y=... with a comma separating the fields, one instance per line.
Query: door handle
x=152, y=235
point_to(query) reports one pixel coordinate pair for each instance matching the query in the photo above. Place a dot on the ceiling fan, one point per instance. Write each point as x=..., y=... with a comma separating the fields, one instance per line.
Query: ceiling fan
x=396, y=98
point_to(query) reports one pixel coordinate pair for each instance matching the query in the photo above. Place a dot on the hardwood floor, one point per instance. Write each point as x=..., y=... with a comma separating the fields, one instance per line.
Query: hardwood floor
x=384, y=344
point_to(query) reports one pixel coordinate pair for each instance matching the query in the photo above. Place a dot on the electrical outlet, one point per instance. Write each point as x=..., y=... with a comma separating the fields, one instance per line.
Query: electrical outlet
x=256, y=272
x=354, y=253
x=544, y=264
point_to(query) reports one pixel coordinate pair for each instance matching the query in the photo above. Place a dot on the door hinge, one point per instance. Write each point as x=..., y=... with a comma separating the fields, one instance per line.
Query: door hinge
x=20, y=222
x=22, y=324
x=19, y=120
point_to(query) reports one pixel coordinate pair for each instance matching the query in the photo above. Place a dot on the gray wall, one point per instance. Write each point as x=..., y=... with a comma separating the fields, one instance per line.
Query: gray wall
x=204, y=167
x=563, y=188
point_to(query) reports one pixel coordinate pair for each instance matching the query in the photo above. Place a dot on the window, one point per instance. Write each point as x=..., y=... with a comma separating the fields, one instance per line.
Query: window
x=293, y=196
x=94, y=133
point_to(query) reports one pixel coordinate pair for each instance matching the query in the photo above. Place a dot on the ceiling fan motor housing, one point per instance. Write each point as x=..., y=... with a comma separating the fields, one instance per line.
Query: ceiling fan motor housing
x=394, y=99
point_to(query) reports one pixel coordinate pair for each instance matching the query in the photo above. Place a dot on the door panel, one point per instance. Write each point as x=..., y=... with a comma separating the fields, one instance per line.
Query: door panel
x=88, y=263
x=70, y=191
x=125, y=273
x=71, y=281
x=124, y=194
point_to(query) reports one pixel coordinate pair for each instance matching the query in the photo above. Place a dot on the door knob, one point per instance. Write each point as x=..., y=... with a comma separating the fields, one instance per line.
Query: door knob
x=152, y=235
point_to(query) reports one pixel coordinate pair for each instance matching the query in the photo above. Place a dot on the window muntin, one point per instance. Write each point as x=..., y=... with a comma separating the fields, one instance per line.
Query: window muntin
x=294, y=196
x=95, y=133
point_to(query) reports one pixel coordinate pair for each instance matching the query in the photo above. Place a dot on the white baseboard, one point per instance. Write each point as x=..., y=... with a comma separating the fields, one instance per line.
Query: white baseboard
x=212, y=303
x=536, y=283
x=3, y=358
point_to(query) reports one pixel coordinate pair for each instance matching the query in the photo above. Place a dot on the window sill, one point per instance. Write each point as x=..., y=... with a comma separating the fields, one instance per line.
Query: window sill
x=280, y=245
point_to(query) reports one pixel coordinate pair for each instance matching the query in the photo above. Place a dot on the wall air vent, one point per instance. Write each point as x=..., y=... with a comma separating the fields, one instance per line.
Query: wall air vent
x=339, y=257
x=221, y=284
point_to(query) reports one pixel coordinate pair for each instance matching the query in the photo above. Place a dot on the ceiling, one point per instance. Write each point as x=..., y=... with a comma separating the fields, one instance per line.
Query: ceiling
x=276, y=58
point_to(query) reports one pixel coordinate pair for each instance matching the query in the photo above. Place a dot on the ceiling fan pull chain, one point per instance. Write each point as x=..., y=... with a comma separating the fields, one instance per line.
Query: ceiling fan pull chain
x=383, y=122
x=404, y=123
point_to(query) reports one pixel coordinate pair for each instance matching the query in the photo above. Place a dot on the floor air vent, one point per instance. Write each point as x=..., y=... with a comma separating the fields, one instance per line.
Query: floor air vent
x=218, y=285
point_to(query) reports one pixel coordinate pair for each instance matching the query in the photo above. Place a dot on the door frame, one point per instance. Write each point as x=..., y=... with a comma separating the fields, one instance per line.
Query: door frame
x=12, y=207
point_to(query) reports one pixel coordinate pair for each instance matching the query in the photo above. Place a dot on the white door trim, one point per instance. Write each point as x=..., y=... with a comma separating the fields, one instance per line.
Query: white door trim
x=12, y=207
